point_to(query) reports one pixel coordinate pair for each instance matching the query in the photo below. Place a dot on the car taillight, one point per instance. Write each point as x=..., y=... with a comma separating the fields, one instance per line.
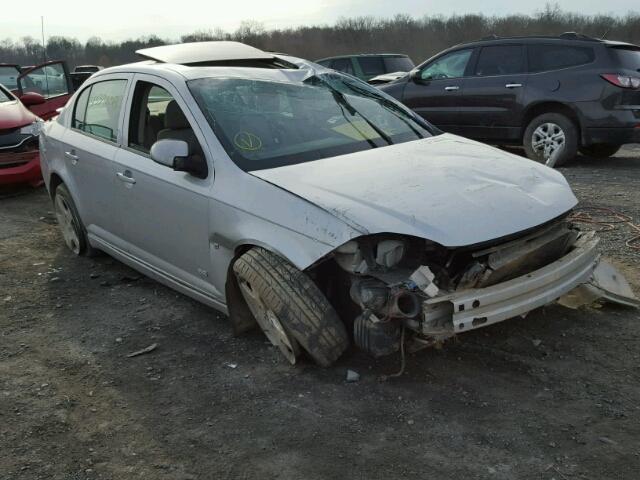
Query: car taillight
x=622, y=81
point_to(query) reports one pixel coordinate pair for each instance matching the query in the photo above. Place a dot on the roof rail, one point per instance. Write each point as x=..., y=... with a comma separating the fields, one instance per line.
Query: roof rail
x=578, y=36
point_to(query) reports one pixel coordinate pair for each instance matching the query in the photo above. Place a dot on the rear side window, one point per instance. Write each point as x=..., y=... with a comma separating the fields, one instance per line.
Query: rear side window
x=543, y=58
x=371, y=65
x=627, y=57
x=97, y=109
x=343, y=65
x=500, y=60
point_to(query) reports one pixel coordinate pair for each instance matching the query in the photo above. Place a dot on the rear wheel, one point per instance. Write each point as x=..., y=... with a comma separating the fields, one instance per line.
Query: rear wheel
x=600, y=150
x=73, y=231
x=551, y=138
x=291, y=310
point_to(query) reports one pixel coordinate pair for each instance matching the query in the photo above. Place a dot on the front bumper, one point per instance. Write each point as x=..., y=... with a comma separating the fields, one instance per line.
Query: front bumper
x=613, y=136
x=23, y=167
x=475, y=308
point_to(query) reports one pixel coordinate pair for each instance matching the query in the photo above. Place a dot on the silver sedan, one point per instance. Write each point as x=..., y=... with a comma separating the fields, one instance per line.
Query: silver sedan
x=305, y=202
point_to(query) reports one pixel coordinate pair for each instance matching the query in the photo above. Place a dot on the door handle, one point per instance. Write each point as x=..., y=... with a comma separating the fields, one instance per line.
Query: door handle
x=72, y=155
x=513, y=85
x=452, y=88
x=126, y=177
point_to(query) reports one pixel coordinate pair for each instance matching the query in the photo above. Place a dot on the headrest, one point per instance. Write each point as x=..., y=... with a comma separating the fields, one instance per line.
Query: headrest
x=174, y=119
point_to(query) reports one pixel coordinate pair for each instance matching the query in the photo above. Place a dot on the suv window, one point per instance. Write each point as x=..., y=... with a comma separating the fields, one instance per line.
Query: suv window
x=48, y=80
x=398, y=64
x=500, y=60
x=97, y=110
x=543, y=58
x=371, y=66
x=627, y=57
x=342, y=65
x=452, y=65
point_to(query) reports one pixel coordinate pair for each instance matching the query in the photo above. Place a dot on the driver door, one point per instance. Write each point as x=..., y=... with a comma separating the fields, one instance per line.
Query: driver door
x=52, y=81
x=165, y=213
x=436, y=91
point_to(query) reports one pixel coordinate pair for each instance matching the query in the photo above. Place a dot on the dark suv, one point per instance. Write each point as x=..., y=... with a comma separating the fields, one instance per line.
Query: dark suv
x=553, y=95
x=367, y=66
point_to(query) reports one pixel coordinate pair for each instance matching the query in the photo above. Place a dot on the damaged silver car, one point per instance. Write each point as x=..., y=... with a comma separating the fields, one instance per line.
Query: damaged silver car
x=310, y=204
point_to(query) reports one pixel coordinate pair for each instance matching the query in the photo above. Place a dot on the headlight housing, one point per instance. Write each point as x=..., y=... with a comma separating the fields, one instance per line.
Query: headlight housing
x=32, y=129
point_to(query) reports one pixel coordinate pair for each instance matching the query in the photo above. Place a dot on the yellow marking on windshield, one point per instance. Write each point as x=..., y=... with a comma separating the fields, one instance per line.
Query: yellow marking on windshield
x=247, y=141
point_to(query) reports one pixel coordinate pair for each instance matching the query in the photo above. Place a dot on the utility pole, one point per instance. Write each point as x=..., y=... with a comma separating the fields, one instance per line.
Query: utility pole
x=44, y=47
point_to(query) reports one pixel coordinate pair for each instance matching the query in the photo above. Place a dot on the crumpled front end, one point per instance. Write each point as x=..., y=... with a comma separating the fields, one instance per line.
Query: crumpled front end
x=409, y=283
x=19, y=157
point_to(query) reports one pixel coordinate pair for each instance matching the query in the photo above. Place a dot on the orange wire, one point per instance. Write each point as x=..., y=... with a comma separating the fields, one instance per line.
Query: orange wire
x=607, y=219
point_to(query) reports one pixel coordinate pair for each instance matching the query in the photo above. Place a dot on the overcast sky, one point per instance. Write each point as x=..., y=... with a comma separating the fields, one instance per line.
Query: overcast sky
x=122, y=19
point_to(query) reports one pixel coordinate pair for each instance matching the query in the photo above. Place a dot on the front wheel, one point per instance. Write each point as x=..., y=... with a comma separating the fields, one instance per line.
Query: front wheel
x=292, y=311
x=600, y=150
x=551, y=138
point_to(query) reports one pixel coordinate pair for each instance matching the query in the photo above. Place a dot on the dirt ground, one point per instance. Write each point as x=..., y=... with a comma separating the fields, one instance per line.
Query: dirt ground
x=552, y=396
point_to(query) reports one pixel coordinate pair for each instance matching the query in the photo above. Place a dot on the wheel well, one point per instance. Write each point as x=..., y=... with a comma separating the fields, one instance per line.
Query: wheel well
x=53, y=183
x=550, y=107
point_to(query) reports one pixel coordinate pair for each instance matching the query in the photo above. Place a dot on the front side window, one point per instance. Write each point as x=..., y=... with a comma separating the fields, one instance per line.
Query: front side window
x=49, y=81
x=265, y=124
x=543, y=58
x=371, y=66
x=500, y=60
x=97, y=110
x=9, y=76
x=452, y=65
x=156, y=115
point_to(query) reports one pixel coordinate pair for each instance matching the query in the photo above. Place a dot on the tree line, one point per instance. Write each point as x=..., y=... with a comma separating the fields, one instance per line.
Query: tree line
x=419, y=38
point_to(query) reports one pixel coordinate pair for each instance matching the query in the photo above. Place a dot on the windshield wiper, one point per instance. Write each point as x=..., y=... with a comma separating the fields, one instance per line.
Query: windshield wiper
x=342, y=100
x=343, y=103
x=398, y=111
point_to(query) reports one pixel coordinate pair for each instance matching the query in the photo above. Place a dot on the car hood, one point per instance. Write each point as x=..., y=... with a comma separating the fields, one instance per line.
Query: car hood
x=447, y=189
x=13, y=115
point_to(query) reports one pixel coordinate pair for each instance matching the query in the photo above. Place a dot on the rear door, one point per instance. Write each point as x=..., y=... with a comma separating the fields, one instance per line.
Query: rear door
x=435, y=92
x=89, y=146
x=52, y=81
x=491, y=105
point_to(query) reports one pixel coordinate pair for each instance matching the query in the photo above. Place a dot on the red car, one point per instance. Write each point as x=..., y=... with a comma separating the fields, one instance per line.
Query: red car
x=26, y=99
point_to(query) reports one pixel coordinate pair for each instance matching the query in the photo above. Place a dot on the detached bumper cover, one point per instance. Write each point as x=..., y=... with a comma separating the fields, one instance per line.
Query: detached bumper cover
x=475, y=308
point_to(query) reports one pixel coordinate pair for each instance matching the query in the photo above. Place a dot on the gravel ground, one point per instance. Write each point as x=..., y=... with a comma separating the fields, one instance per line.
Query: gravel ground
x=552, y=396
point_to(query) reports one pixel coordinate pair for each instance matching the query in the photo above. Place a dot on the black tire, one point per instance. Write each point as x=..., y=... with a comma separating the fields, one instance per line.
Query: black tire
x=600, y=150
x=298, y=303
x=84, y=248
x=571, y=137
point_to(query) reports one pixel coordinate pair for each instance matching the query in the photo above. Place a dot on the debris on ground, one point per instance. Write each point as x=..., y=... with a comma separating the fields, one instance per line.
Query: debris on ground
x=352, y=376
x=148, y=349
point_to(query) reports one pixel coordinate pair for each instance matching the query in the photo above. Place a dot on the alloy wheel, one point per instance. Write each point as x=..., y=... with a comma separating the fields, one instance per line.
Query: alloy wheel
x=66, y=223
x=269, y=323
x=547, y=141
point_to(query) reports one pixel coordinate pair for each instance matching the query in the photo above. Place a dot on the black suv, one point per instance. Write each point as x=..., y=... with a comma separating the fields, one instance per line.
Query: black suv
x=553, y=95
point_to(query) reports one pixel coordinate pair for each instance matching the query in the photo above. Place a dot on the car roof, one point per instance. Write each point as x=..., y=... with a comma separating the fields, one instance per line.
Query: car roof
x=363, y=55
x=568, y=37
x=202, y=52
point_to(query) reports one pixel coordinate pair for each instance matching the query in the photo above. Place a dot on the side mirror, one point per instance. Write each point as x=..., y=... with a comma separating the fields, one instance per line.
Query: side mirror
x=175, y=154
x=29, y=99
x=167, y=151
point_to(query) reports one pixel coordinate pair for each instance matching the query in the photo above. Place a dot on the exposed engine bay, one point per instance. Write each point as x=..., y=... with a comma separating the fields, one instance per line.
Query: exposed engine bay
x=400, y=282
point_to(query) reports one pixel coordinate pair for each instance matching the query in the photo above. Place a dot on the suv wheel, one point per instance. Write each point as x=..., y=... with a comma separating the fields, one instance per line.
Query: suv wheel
x=549, y=137
x=600, y=150
x=73, y=231
x=292, y=311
